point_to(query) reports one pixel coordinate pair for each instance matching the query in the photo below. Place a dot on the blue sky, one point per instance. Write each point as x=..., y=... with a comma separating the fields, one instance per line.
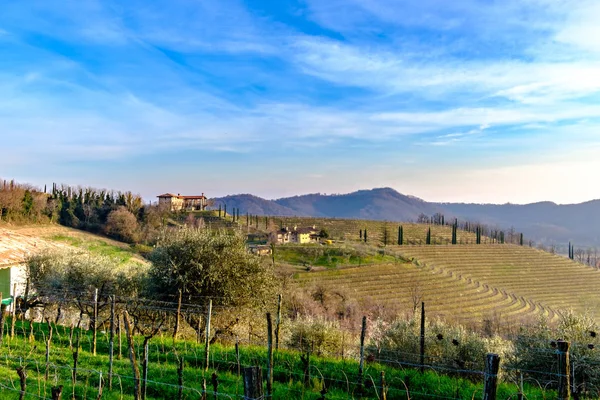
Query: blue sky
x=464, y=100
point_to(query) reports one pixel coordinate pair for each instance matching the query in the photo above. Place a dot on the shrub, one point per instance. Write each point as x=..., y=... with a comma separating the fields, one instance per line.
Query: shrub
x=122, y=225
x=318, y=336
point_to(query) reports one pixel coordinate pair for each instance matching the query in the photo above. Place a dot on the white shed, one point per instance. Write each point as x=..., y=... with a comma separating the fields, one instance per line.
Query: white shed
x=14, y=250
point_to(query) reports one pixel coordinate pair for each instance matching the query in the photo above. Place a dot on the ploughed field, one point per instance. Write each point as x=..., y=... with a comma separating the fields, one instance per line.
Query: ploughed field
x=508, y=284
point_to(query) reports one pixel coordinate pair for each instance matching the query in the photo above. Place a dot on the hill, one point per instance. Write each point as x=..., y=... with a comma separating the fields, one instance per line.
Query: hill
x=503, y=284
x=543, y=222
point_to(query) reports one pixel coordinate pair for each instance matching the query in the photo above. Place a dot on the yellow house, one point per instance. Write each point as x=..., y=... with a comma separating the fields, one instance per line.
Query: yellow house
x=296, y=235
x=178, y=202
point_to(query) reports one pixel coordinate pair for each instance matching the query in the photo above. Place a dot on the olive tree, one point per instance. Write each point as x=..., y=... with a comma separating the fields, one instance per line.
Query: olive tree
x=207, y=264
x=70, y=277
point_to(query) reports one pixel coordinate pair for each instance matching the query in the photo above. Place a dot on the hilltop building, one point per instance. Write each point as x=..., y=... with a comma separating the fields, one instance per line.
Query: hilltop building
x=295, y=235
x=178, y=202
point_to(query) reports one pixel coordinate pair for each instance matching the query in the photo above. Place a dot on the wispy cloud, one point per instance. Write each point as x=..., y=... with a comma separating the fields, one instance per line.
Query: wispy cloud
x=242, y=83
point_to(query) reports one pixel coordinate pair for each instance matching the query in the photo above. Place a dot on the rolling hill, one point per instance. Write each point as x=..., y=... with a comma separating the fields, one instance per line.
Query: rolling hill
x=544, y=222
x=506, y=284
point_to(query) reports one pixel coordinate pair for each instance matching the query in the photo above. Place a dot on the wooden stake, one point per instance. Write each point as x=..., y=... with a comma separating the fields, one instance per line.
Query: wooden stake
x=2, y=309
x=57, y=392
x=207, y=344
x=94, y=333
x=180, y=378
x=253, y=389
x=269, y=356
x=111, y=342
x=278, y=322
x=384, y=388
x=75, y=359
x=23, y=380
x=361, y=365
x=48, y=341
x=492, y=364
x=13, y=312
x=145, y=368
x=422, y=343
x=132, y=358
x=119, y=328
x=177, y=317
x=564, y=392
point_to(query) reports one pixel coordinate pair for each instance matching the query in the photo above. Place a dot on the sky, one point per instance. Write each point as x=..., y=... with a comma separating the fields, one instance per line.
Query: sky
x=463, y=101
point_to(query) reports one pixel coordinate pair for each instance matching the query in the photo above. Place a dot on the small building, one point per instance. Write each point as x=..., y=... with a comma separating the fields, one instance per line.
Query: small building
x=177, y=202
x=260, y=249
x=14, y=250
x=295, y=235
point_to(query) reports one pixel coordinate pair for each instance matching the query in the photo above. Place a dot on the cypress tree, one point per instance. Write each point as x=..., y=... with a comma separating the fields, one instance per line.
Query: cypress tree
x=365, y=235
x=360, y=234
x=428, y=239
x=521, y=239
x=225, y=211
x=400, y=235
x=219, y=211
x=454, y=234
x=266, y=222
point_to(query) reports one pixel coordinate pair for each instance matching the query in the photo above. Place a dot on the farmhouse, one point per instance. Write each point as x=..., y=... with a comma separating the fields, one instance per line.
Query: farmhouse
x=295, y=235
x=176, y=202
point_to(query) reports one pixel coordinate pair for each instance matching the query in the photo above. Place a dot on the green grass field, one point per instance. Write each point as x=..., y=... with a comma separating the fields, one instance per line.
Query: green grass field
x=339, y=376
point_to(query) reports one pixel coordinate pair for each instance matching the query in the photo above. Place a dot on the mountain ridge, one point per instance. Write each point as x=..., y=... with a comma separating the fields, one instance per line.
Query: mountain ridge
x=544, y=221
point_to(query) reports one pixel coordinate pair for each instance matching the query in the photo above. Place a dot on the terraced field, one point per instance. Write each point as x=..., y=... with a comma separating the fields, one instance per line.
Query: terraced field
x=554, y=281
x=446, y=294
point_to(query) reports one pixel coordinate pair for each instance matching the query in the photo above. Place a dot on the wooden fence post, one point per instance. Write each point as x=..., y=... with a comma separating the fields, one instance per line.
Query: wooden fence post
x=564, y=392
x=180, y=379
x=207, y=343
x=384, y=388
x=278, y=322
x=422, y=343
x=361, y=365
x=177, y=317
x=111, y=342
x=2, y=308
x=57, y=392
x=48, y=342
x=23, y=380
x=75, y=360
x=132, y=358
x=94, y=333
x=492, y=364
x=269, y=356
x=253, y=389
x=13, y=312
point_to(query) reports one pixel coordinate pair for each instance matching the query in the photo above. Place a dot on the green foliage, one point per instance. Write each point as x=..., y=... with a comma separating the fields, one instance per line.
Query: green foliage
x=204, y=263
x=122, y=225
x=316, y=336
x=450, y=346
x=76, y=274
x=323, y=233
x=535, y=351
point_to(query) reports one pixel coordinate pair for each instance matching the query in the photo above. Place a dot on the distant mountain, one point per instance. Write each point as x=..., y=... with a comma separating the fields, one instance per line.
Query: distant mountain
x=544, y=222
x=381, y=204
x=378, y=204
x=254, y=205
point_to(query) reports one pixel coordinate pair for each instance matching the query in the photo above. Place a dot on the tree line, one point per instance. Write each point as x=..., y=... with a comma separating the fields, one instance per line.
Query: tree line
x=121, y=215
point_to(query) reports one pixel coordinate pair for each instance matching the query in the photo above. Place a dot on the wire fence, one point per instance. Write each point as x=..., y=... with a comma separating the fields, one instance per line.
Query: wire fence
x=72, y=348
